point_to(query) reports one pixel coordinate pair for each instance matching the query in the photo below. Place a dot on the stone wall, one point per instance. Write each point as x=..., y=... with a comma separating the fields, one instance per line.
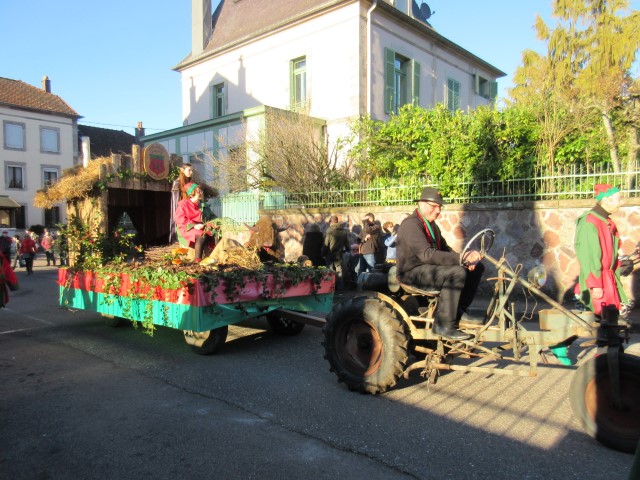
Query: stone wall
x=526, y=233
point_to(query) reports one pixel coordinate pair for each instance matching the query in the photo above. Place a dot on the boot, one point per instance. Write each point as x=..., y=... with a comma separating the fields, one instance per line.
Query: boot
x=449, y=332
x=466, y=319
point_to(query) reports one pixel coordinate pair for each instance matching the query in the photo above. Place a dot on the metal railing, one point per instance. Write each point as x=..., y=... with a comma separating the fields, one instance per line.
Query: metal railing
x=565, y=184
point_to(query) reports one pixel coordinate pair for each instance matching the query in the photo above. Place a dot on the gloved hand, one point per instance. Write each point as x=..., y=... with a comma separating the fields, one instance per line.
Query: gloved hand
x=626, y=267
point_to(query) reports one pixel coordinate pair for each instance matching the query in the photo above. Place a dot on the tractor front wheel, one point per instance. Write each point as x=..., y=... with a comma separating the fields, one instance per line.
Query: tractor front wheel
x=366, y=344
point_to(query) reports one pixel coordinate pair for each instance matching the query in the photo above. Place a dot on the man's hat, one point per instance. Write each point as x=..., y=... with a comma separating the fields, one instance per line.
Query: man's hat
x=430, y=194
x=604, y=190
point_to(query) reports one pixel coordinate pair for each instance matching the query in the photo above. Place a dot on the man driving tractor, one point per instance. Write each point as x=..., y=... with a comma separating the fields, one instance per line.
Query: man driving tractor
x=426, y=261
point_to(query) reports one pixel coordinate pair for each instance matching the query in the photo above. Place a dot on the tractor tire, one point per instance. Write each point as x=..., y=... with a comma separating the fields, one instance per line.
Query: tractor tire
x=592, y=403
x=206, y=343
x=366, y=344
x=283, y=326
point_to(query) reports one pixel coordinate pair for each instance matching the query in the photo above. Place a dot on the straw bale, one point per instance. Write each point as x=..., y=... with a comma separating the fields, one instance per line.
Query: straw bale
x=75, y=182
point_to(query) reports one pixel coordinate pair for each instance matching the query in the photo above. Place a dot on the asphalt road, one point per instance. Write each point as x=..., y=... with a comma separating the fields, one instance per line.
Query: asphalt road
x=79, y=400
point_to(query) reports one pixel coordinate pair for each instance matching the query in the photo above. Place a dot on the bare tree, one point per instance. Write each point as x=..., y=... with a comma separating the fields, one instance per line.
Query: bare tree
x=290, y=152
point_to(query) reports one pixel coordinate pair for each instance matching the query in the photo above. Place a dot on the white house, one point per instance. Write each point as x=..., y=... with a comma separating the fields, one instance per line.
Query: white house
x=39, y=139
x=335, y=59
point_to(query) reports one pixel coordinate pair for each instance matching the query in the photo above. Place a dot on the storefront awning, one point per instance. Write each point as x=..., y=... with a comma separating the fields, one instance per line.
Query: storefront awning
x=8, y=202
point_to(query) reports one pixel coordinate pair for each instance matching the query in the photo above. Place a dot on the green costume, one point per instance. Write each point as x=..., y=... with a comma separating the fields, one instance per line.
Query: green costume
x=597, y=243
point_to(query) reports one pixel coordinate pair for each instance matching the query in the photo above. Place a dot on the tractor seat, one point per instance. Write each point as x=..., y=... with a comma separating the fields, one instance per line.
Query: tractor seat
x=412, y=290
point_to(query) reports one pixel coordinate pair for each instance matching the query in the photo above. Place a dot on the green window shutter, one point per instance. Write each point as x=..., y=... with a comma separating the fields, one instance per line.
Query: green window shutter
x=493, y=90
x=415, y=84
x=292, y=80
x=389, y=75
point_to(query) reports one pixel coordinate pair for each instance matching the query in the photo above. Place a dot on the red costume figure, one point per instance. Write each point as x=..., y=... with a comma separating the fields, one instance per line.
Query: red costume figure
x=597, y=243
x=191, y=220
x=8, y=280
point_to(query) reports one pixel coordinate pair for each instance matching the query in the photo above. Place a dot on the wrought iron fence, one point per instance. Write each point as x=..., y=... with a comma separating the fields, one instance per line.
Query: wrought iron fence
x=567, y=183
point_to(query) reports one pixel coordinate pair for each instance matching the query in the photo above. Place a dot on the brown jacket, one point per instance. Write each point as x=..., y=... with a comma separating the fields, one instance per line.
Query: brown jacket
x=371, y=245
x=414, y=248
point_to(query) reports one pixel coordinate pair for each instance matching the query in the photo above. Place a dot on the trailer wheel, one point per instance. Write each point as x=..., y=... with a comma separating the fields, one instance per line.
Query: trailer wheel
x=206, y=343
x=365, y=344
x=592, y=403
x=283, y=326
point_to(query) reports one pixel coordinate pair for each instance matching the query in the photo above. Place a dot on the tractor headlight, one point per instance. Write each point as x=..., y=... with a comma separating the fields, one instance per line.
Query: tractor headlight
x=538, y=276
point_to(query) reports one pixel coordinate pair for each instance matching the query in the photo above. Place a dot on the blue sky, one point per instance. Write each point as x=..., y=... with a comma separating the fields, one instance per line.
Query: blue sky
x=112, y=61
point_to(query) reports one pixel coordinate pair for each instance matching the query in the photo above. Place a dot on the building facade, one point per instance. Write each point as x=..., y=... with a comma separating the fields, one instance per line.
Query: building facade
x=335, y=60
x=38, y=139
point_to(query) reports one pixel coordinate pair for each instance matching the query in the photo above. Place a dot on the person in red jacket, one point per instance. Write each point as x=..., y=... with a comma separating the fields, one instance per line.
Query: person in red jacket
x=8, y=281
x=191, y=218
x=28, y=252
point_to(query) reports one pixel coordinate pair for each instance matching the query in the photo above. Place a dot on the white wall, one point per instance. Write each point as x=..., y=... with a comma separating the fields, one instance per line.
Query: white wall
x=258, y=74
x=34, y=160
x=436, y=65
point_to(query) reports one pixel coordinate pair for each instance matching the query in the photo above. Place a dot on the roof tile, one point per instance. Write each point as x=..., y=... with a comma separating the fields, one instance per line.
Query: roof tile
x=15, y=93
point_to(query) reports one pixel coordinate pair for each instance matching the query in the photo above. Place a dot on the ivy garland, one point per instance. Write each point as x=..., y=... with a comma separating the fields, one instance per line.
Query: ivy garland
x=147, y=281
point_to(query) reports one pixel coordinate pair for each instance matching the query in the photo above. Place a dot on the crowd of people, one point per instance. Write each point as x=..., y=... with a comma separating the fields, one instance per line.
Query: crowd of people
x=21, y=250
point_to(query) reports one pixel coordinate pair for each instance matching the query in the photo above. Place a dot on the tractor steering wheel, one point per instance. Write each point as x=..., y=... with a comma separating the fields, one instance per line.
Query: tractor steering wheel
x=485, y=238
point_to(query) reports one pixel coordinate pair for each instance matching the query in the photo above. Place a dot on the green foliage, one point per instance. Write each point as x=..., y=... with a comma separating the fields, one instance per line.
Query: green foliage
x=452, y=150
x=91, y=249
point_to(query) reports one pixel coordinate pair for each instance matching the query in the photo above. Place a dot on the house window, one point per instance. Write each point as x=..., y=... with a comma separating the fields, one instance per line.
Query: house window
x=299, y=82
x=453, y=95
x=402, y=81
x=219, y=100
x=20, y=217
x=14, y=136
x=15, y=176
x=51, y=217
x=486, y=88
x=49, y=140
x=49, y=176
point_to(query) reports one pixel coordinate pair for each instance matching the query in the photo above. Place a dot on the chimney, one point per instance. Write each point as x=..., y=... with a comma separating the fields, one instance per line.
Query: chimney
x=200, y=25
x=86, y=151
x=139, y=132
x=46, y=84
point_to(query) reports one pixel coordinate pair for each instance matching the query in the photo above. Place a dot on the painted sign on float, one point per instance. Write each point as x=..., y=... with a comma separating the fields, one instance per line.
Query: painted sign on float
x=156, y=161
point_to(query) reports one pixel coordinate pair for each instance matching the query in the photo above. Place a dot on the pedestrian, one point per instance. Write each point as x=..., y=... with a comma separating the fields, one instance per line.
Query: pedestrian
x=28, y=252
x=389, y=238
x=63, y=249
x=354, y=263
x=336, y=242
x=425, y=260
x=15, y=249
x=312, y=244
x=47, y=243
x=5, y=245
x=597, y=243
x=8, y=280
x=370, y=243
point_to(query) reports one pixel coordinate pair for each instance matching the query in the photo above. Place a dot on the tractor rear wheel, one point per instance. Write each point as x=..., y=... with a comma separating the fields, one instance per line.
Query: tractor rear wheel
x=593, y=405
x=366, y=344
